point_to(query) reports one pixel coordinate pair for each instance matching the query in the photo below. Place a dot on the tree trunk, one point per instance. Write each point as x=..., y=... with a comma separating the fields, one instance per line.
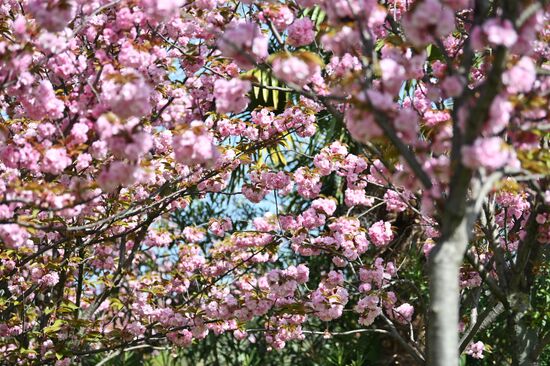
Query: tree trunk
x=445, y=260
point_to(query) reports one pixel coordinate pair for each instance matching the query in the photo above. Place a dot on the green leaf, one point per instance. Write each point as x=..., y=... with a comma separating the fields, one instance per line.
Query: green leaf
x=263, y=93
x=55, y=327
x=67, y=307
x=434, y=53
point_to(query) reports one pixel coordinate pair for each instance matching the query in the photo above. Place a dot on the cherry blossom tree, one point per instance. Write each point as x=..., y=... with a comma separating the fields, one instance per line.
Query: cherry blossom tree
x=174, y=170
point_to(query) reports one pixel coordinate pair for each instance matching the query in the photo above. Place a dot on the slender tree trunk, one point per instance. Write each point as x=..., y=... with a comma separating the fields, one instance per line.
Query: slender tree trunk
x=445, y=260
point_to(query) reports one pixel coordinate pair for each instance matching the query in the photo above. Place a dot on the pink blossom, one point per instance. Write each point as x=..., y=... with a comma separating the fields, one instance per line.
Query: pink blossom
x=475, y=350
x=302, y=273
x=288, y=222
x=329, y=299
x=129, y=56
x=521, y=77
x=427, y=247
x=500, y=114
x=394, y=201
x=307, y=3
x=393, y=75
x=140, y=143
x=67, y=64
x=157, y=238
x=117, y=174
x=231, y=95
x=380, y=233
x=500, y=32
x=273, y=180
x=341, y=42
x=459, y=4
x=439, y=69
x=14, y=236
x=46, y=130
x=83, y=161
x=470, y=279
x=128, y=94
x=369, y=308
x=429, y=19
x=380, y=100
x=326, y=205
x=64, y=362
x=280, y=15
x=253, y=193
x=195, y=146
x=43, y=103
x=403, y=313
x=50, y=279
x=494, y=31
x=20, y=25
x=99, y=150
x=340, y=66
x=219, y=227
x=136, y=328
x=407, y=125
x=308, y=183
x=515, y=205
x=294, y=70
x=161, y=9
x=5, y=212
x=206, y=4
x=181, y=338
x=79, y=133
x=361, y=125
x=301, y=32
x=452, y=86
x=193, y=234
x=357, y=197
x=53, y=15
x=55, y=160
x=489, y=152
x=242, y=41
x=339, y=10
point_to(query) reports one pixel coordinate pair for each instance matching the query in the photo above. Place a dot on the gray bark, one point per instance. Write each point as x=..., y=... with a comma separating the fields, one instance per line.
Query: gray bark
x=445, y=261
